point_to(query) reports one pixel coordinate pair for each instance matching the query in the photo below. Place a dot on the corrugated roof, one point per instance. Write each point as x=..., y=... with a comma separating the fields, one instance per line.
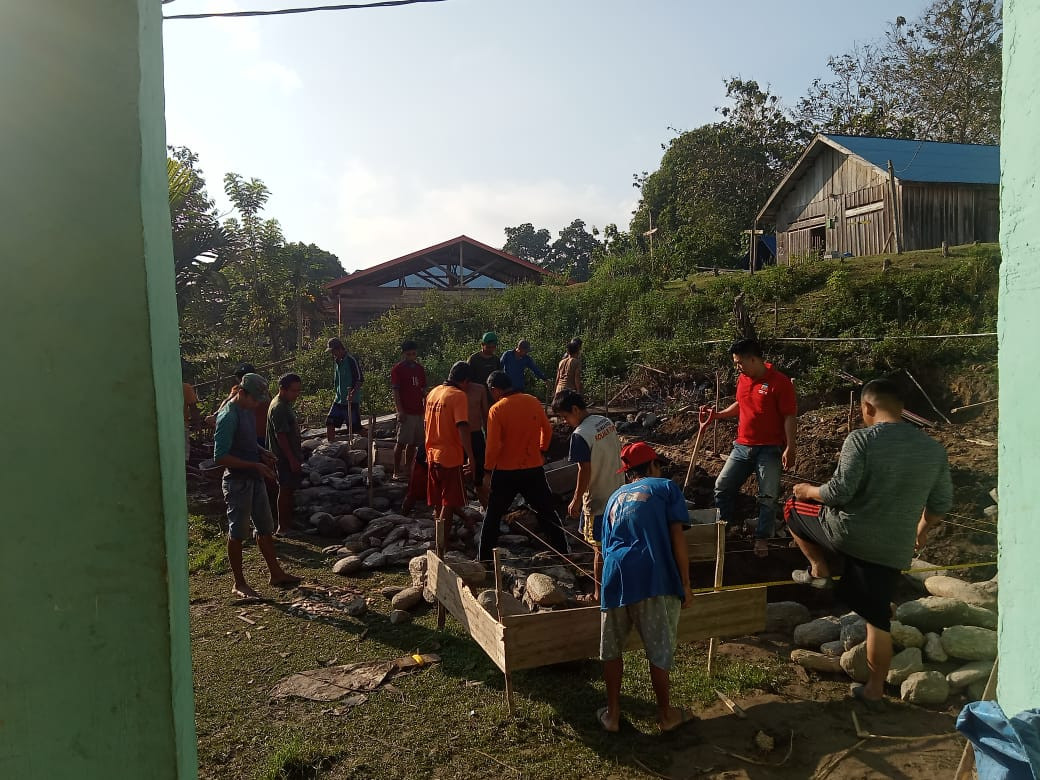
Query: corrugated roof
x=927, y=161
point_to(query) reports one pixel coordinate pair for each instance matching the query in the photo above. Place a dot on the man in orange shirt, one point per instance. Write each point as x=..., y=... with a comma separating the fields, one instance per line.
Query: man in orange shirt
x=518, y=433
x=448, y=443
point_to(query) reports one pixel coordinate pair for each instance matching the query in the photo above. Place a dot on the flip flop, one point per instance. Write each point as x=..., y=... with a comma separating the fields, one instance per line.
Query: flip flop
x=685, y=716
x=859, y=693
x=601, y=716
x=805, y=577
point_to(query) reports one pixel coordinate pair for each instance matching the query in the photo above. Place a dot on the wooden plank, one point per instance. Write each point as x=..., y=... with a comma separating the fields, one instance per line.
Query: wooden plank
x=701, y=542
x=545, y=638
x=453, y=594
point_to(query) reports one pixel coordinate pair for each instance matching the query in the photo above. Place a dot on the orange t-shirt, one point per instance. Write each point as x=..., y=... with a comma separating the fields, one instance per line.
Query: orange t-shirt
x=518, y=432
x=446, y=407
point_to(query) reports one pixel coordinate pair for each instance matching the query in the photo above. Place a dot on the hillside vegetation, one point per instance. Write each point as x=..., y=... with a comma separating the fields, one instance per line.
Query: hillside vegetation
x=626, y=315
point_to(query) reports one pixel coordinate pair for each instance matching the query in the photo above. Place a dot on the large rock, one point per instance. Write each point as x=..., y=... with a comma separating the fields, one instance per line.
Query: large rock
x=833, y=649
x=399, y=616
x=318, y=518
x=472, y=572
x=933, y=649
x=381, y=502
x=932, y=613
x=853, y=632
x=904, y=664
x=977, y=616
x=357, y=607
x=510, y=604
x=970, y=643
x=969, y=593
x=330, y=449
x=355, y=543
x=329, y=526
x=818, y=662
x=321, y=464
x=417, y=568
x=906, y=636
x=854, y=663
x=816, y=632
x=969, y=673
x=350, y=524
x=407, y=598
x=375, y=561
x=783, y=616
x=397, y=533
x=543, y=591
x=355, y=457
x=929, y=571
x=367, y=514
x=379, y=527
x=347, y=566
x=925, y=688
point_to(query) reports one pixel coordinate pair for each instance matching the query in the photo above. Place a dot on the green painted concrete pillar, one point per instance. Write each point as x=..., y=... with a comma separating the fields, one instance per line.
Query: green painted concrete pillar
x=1019, y=323
x=95, y=663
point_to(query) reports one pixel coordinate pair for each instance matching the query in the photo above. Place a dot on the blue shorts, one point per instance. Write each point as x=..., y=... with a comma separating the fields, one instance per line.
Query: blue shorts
x=338, y=415
x=593, y=532
x=247, y=501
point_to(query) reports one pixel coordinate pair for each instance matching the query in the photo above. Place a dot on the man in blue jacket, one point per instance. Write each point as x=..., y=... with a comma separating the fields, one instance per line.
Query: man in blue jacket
x=516, y=361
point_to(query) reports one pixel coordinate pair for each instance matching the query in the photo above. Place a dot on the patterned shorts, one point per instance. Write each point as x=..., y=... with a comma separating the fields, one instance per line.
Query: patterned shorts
x=657, y=621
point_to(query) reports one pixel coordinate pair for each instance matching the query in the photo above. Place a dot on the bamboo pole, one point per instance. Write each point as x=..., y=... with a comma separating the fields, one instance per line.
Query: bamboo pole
x=715, y=423
x=852, y=407
x=371, y=459
x=498, y=603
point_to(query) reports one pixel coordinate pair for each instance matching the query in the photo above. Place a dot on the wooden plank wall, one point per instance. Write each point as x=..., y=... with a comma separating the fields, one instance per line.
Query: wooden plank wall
x=956, y=213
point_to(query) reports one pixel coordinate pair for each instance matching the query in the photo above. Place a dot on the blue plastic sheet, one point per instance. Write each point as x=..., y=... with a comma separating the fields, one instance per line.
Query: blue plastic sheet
x=1005, y=749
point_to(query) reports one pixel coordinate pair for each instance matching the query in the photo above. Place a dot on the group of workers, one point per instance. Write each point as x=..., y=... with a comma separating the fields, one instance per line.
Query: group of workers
x=891, y=487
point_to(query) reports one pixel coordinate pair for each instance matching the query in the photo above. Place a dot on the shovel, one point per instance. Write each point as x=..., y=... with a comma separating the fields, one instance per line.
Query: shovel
x=703, y=417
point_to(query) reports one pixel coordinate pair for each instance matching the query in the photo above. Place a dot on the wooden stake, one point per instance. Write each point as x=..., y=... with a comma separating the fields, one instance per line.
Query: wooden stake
x=498, y=603
x=441, y=542
x=696, y=447
x=715, y=424
x=852, y=407
x=720, y=560
x=966, y=768
x=371, y=459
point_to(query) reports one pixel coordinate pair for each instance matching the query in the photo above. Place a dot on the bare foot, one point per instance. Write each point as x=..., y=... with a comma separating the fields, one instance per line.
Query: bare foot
x=284, y=580
x=612, y=725
x=244, y=592
x=676, y=717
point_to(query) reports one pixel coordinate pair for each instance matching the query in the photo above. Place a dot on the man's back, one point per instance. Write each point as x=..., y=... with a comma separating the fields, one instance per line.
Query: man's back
x=477, y=395
x=887, y=474
x=446, y=407
x=604, y=457
x=518, y=433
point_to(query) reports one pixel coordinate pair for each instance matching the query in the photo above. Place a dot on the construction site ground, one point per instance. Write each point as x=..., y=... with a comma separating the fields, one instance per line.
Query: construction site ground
x=450, y=720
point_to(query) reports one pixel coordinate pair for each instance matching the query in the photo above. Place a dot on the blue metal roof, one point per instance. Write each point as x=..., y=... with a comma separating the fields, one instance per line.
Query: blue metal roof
x=927, y=160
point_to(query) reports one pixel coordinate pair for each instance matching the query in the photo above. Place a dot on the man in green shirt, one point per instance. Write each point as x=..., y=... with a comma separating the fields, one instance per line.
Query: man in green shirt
x=891, y=487
x=347, y=380
x=484, y=362
x=283, y=437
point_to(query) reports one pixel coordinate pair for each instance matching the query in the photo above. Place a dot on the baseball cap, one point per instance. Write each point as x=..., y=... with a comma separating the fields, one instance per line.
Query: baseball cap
x=489, y=338
x=256, y=386
x=334, y=344
x=635, y=454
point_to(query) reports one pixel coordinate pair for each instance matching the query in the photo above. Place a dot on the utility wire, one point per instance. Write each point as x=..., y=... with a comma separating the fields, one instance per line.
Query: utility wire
x=309, y=9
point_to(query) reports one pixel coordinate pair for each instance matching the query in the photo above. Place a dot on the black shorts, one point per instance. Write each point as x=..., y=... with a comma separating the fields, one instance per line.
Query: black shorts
x=287, y=478
x=479, y=450
x=338, y=415
x=866, y=588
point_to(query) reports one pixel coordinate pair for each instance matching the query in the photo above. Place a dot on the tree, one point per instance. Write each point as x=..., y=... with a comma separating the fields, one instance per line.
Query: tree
x=309, y=267
x=713, y=180
x=527, y=243
x=572, y=254
x=937, y=79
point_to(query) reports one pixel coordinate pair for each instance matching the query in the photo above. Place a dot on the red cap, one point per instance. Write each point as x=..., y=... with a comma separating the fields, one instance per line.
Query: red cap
x=636, y=454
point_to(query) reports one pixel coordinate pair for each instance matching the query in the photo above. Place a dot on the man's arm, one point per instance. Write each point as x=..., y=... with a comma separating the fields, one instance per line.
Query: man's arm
x=493, y=447
x=790, y=454
x=467, y=442
x=283, y=442
x=545, y=436
x=397, y=401
x=580, y=489
x=940, y=499
x=534, y=368
x=848, y=477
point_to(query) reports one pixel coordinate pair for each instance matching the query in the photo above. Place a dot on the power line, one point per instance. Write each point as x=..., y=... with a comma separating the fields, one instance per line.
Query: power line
x=309, y=9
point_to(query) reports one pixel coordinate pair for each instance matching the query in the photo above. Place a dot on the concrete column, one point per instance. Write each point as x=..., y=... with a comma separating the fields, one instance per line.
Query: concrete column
x=1018, y=324
x=95, y=664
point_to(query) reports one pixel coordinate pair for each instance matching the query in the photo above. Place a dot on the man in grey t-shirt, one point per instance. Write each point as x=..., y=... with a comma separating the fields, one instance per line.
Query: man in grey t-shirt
x=892, y=485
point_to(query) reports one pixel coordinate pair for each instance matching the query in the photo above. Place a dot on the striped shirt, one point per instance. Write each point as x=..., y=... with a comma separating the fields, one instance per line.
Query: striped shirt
x=887, y=475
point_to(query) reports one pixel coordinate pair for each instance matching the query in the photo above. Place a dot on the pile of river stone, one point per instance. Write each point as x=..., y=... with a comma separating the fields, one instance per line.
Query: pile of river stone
x=945, y=642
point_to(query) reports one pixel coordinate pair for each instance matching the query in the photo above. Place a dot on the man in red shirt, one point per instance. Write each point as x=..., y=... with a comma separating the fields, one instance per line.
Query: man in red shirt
x=767, y=412
x=408, y=382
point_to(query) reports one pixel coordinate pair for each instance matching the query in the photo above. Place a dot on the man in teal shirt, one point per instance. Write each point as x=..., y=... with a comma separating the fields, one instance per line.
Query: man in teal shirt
x=347, y=381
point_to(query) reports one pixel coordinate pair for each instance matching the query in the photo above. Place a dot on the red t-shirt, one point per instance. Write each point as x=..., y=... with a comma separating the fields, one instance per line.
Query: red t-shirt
x=410, y=380
x=764, y=403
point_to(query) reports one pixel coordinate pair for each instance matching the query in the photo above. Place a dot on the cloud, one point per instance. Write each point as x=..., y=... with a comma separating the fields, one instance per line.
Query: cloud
x=271, y=72
x=381, y=216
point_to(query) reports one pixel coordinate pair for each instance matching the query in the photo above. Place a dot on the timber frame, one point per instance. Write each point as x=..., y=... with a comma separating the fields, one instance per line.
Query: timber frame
x=515, y=642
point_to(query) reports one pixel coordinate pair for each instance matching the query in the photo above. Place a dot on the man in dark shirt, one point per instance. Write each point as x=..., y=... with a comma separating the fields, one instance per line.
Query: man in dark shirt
x=283, y=435
x=484, y=362
x=891, y=487
x=246, y=467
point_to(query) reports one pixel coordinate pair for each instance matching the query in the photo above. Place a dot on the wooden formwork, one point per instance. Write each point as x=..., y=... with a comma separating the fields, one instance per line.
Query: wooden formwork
x=528, y=641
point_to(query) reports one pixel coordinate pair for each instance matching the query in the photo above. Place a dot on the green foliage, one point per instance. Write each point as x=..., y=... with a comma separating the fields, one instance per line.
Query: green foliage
x=571, y=255
x=295, y=759
x=207, y=546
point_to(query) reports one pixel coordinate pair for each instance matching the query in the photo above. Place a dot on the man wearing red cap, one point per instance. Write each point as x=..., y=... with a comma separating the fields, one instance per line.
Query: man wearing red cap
x=646, y=580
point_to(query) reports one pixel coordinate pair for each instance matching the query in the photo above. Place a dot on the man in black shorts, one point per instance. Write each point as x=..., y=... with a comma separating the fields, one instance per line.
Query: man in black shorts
x=892, y=485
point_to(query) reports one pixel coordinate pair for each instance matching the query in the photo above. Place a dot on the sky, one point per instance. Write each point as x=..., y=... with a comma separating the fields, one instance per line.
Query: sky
x=382, y=131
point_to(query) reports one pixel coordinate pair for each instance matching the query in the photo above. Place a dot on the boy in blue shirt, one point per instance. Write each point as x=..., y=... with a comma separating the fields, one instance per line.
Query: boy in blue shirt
x=646, y=580
x=515, y=362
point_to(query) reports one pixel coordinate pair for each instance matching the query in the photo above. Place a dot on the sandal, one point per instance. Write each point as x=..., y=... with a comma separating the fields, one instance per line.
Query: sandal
x=805, y=577
x=601, y=716
x=859, y=693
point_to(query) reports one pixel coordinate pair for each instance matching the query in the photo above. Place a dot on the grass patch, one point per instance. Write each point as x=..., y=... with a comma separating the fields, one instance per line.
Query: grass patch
x=207, y=546
x=294, y=759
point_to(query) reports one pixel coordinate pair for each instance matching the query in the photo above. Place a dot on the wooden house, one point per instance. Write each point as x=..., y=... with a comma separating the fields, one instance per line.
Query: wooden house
x=839, y=198
x=460, y=267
